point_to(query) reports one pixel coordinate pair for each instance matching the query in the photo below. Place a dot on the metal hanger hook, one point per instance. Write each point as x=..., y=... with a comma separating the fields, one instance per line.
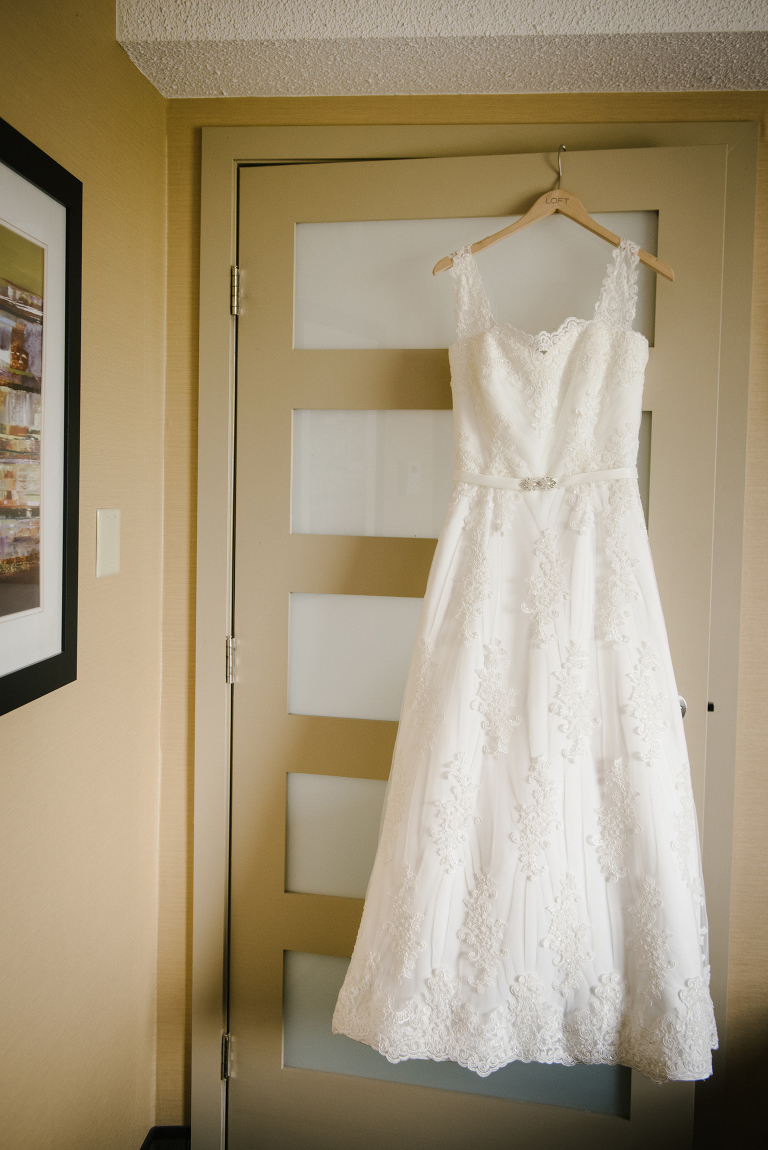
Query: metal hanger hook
x=560, y=151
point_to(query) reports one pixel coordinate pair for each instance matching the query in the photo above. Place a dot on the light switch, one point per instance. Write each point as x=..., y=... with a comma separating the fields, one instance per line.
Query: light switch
x=107, y=541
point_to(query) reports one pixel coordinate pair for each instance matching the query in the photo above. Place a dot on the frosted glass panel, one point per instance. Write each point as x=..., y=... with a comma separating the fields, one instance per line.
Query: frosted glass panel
x=310, y=989
x=331, y=833
x=371, y=472
x=387, y=473
x=370, y=283
x=349, y=654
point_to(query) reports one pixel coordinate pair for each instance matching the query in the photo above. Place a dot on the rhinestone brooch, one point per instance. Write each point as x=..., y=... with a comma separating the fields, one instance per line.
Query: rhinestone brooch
x=545, y=484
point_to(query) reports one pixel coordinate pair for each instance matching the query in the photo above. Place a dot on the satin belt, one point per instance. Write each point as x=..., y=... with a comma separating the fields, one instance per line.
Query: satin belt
x=546, y=482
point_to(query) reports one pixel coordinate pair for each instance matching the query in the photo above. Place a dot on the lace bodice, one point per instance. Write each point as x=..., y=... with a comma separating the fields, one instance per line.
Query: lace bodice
x=555, y=403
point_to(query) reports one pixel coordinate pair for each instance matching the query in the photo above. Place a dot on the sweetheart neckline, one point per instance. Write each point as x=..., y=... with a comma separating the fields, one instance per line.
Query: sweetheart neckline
x=572, y=322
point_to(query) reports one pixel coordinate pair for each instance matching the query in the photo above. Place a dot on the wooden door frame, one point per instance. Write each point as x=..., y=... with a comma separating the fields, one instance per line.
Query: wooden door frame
x=224, y=150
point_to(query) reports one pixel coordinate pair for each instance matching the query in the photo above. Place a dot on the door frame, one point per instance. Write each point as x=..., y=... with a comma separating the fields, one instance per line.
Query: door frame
x=224, y=150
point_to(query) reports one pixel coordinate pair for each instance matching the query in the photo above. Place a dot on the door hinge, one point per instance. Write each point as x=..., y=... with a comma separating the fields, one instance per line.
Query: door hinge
x=225, y=1048
x=230, y=664
x=234, y=290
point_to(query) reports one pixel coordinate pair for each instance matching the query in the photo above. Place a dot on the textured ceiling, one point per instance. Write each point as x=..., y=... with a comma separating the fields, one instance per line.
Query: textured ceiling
x=372, y=47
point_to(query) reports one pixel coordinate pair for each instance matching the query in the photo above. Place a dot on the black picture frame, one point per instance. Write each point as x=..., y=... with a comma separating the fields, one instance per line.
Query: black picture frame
x=33, y=165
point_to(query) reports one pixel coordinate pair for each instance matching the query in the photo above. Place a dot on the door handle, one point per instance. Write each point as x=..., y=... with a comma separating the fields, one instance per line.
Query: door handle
x=683, y=705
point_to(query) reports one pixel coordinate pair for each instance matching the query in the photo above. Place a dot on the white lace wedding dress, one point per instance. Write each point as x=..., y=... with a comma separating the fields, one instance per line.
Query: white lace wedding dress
x=537, y=891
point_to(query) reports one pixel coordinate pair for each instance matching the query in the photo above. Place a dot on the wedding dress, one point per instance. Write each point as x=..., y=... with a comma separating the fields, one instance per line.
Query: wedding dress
x=537, y=891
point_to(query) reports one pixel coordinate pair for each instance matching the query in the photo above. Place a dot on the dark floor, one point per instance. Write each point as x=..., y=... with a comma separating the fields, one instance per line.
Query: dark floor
x=167, y=1138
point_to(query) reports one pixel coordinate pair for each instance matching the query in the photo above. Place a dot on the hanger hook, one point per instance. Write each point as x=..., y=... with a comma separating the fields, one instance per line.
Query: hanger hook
x=560, y=151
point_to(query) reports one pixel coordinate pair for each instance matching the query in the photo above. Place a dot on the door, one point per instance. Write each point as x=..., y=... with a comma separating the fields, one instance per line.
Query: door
x=344, y=457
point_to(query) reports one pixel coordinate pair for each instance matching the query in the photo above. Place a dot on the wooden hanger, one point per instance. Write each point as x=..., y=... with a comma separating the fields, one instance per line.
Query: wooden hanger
x=568, y=205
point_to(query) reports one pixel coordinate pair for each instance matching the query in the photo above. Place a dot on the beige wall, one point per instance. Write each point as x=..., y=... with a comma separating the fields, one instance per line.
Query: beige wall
x=748, y=990
x=79, y=769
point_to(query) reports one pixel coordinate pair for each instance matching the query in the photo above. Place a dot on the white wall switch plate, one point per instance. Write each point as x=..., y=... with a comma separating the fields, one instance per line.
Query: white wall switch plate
x=107, y=541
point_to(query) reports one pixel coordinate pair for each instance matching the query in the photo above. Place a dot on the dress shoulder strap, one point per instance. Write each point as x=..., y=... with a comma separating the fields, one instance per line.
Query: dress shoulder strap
x=471, y=306
x=618, y=295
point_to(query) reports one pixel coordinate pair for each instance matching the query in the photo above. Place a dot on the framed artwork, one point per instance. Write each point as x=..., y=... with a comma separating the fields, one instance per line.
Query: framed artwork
x=40, y=283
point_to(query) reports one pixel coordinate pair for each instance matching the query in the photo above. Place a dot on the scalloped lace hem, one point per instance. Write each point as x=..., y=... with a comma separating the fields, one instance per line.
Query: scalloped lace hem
x=484, y=1070
x=634, y=1058
x=439, y=1026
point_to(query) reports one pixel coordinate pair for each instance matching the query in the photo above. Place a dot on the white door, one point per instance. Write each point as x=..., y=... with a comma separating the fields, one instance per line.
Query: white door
x=344, y=458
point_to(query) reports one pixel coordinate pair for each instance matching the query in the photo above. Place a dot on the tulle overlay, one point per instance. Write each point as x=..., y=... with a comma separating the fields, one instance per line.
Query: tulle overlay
x=537, y=891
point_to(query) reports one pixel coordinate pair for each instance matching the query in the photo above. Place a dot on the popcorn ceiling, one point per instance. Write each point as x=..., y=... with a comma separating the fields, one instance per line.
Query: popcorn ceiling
x=232, y=20
x=198, y=48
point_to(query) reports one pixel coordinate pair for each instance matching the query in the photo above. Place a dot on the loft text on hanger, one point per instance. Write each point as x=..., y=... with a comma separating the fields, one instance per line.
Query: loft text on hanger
x=568, y=204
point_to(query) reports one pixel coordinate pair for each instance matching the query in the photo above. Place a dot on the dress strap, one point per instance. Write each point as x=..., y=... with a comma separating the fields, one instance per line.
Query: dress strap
x=471, y=306
x=618, y=295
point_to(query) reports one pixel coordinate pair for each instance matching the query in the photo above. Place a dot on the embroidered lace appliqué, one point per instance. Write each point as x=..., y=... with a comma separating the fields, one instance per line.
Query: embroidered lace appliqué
x=404, y=927
x=685, y=841
x=503, y=459
x=649, y=944
x=618, y=295
x=580, y=452
x=582, y=499
x=439, y=1024
x=466, y=459
x=472, y=310
x=621, y=588
x=357, y=998
x=547, y=342
x=574, y=702
x=594, y=1031
x=425, y=718
x=490, y=509
x=542, y=389
x=686, y=1035
x=595, y=355
x=475, y=585
x=622, y=448
x=567, y=936
x=616, y=820
x=548, y=589
x=532, y=1023
x=646, y=704
x=538, y=819
x=495, y=701
x=580, y=455
x=526, y=1029
x=455, y=815
x=425, y=703
x=482, y=932
x=400, y=780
